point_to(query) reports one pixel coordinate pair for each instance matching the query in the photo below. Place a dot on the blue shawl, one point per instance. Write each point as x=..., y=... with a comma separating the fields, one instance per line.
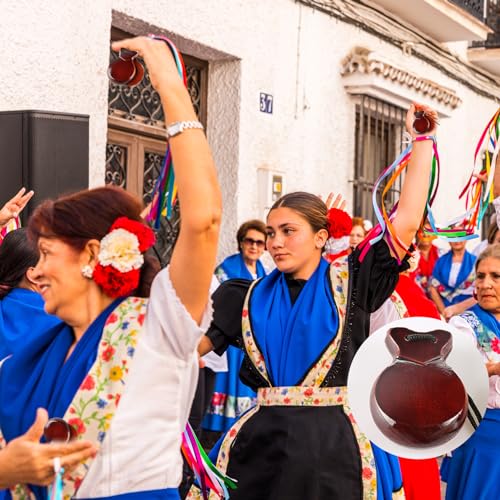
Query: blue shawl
x=292, y=337
x=21, y=318
x=234, y=267
x=442, y=270
x=487, y=319
x=38, y=375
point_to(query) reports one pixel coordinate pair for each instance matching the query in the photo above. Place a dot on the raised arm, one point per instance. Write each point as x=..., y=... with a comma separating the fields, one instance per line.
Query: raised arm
x=193, y=259
x=416, y=183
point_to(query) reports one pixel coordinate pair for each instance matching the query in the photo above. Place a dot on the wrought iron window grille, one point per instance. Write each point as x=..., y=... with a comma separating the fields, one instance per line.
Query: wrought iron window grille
x=379, y=135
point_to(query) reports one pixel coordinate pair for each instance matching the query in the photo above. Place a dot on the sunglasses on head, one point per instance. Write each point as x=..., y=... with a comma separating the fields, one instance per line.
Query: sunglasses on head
x=251, y=241
x=58, y=430
x=126, y=70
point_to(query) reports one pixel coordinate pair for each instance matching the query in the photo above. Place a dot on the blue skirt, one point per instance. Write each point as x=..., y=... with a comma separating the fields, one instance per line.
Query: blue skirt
x=231, y=396
x=165, y=494
x=473, y=471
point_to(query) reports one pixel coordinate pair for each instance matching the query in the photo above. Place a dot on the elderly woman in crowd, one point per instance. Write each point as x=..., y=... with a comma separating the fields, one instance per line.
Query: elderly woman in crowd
x=474, y=468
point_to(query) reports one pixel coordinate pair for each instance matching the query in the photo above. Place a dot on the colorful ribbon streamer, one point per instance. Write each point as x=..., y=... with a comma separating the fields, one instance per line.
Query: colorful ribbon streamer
x=165, y=191
x=56, y=488
x=207, y=476
x=428, y=226
x=479, y=194
x=13, y=224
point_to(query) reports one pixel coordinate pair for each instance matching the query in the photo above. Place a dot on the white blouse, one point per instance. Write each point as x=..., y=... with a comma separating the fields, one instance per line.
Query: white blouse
x=141, y=450
x=494, y=380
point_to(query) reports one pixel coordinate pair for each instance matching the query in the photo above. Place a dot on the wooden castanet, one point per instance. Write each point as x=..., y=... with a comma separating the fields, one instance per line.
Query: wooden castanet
x=423, y=122
x=126, y=70
x=419, y=400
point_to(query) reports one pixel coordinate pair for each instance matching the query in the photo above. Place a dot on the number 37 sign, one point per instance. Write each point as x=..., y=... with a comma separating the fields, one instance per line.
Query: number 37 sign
x=266, y=103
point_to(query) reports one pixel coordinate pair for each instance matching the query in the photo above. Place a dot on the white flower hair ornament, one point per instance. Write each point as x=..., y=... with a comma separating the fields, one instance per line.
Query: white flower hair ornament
x=121, y=257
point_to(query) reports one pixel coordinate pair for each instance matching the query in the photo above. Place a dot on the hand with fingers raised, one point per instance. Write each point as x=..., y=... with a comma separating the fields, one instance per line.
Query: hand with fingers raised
x=337, y=201
x=14, y=206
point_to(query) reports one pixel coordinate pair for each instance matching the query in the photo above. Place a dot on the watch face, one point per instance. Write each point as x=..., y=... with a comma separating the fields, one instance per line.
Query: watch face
x=174, y=129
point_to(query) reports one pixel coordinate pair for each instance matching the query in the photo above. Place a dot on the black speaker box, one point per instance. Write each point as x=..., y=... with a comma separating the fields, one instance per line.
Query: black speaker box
x=44, y=151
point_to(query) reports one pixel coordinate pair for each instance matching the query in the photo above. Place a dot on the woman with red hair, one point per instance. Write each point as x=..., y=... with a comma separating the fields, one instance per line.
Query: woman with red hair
x=120, y=370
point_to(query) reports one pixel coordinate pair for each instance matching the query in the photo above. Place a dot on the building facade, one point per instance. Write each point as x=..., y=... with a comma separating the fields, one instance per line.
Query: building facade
x=295, y=95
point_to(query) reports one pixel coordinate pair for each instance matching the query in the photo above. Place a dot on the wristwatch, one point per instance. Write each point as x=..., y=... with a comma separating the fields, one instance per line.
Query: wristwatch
x=178, y=127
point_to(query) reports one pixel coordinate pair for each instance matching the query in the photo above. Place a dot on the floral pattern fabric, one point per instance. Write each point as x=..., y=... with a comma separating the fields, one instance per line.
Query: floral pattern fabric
x=97, y=400
x=250, y=345
x=95, y=403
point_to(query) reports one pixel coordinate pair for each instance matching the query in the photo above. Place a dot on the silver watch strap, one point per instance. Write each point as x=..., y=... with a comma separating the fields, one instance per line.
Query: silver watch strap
x=177, y=128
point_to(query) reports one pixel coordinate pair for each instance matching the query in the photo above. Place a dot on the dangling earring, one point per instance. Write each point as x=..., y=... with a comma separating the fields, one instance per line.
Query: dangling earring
x=87, y=272
x=474, y=294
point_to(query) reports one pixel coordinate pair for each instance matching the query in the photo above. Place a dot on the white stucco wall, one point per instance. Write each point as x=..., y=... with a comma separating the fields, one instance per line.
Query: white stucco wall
x=55, y=58
x=58, y=59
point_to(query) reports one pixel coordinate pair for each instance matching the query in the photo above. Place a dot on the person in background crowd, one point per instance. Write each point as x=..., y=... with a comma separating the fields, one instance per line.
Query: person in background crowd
x=115, y=346
x=474, y=468
x=21, y=305
x=358, y=232
x=300, y=332
x=428, y=256
x=251, y=241
x=451, y=285
x=232, y=397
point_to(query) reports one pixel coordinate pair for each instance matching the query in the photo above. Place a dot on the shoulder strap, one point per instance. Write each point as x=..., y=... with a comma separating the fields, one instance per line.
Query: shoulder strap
x=97, y=399
x=339, y=281
x=251, y=347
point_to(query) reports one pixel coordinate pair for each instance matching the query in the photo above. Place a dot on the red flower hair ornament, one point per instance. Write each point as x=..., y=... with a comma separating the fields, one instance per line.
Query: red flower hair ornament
x=339, y=223
x=121, y=257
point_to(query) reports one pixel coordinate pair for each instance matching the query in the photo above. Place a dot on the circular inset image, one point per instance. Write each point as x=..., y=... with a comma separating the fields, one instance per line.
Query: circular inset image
x=413, y=385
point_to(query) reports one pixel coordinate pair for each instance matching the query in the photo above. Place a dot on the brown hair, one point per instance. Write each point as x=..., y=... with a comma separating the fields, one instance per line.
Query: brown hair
x=310, y=206
x=492, y=251
x=492, y=231
x=255, y=224
x=358, y=221
x=17, y=255
x=86, y=215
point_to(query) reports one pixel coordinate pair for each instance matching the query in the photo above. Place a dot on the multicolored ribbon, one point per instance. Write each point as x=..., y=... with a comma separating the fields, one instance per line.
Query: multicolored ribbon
x=479, y=194
x=207, y=476
x=476, y=202
x=12, y=225
x=56, y=488
x=165, y=191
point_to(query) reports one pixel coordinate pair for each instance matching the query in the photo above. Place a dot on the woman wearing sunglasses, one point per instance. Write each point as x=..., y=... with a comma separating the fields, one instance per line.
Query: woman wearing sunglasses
x=122, y=369
x=232, y=397
x=300, y=327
